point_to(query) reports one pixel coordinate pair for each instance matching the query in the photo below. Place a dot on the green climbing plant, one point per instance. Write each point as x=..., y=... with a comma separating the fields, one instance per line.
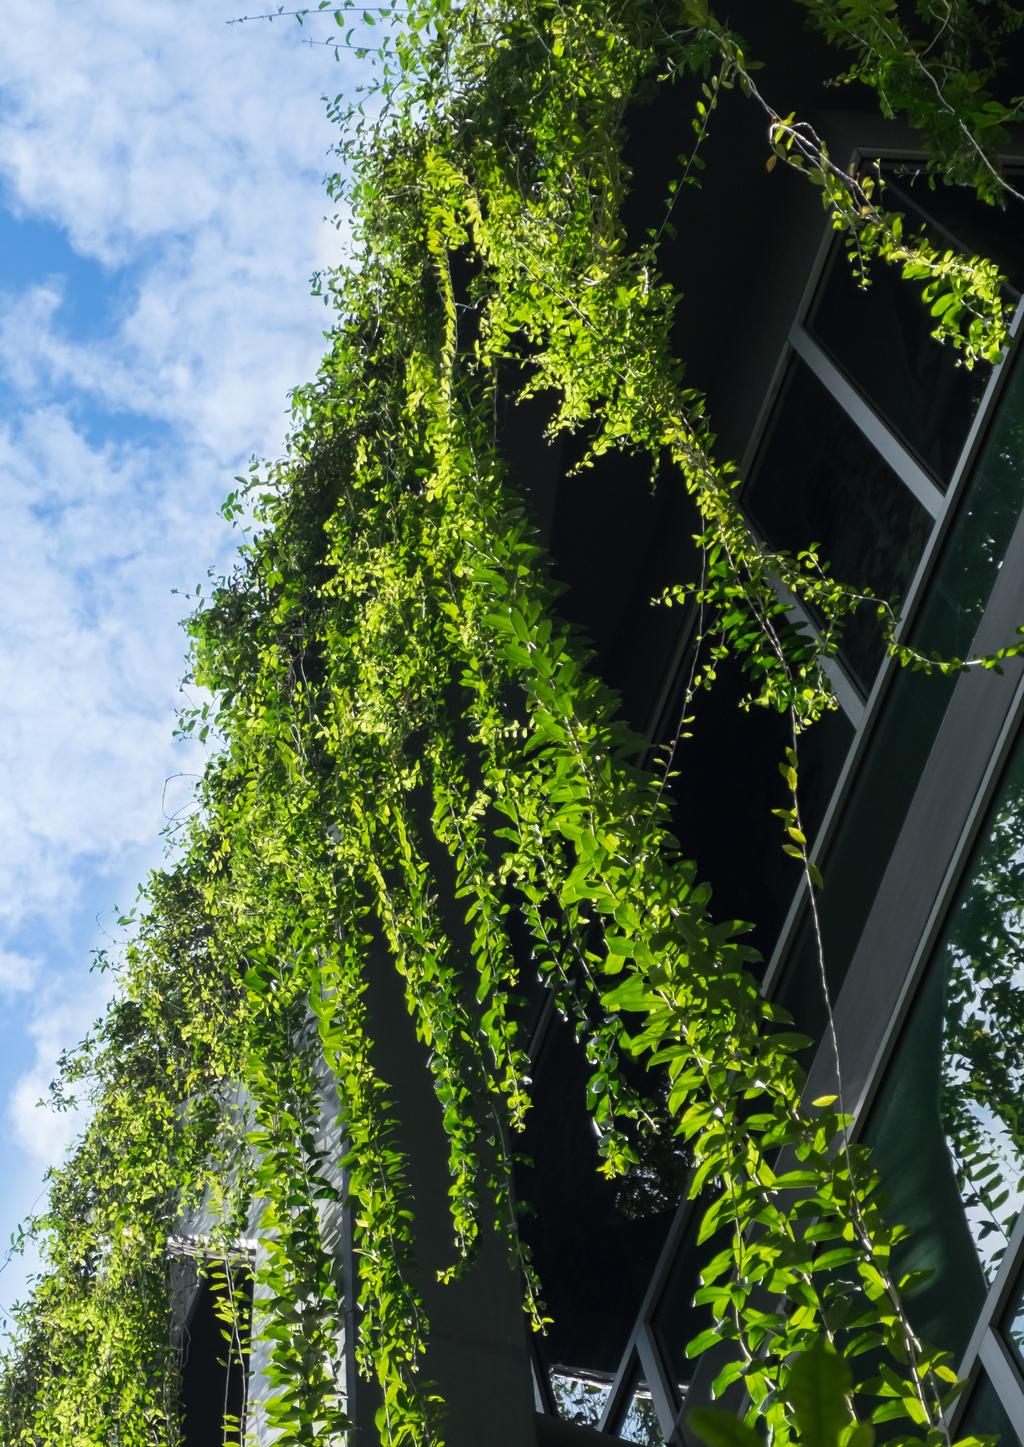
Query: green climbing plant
x=392, y=685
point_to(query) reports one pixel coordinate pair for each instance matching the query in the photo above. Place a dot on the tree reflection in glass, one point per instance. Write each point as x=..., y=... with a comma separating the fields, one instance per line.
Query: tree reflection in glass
x=640, y=1424
x=1013, y=1323
x=982, y=1093
x=947, y=1124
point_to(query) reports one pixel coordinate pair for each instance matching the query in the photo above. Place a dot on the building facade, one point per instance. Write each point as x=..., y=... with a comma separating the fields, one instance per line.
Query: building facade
x=856, y=431
x=910, y=472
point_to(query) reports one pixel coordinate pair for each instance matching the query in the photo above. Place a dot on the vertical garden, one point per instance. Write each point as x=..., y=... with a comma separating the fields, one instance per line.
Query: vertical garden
x=407, y=731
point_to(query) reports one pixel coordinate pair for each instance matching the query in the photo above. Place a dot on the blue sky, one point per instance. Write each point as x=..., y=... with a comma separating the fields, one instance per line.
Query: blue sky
x=161, y=212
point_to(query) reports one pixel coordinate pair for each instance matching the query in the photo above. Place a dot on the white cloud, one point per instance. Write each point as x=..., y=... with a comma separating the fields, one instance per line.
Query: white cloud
x=163, y=140
x=128, y=122
x=42, y=1132
x=96, y=538
x=186, y=158
x=189, y=154
x=17, y=972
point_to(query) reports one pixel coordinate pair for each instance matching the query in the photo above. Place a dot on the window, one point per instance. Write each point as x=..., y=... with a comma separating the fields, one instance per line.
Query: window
x=881, y=340
x=911, y=712
x=213, y=1346
x=986, y=1416
x=900, y=465
x=955, y=1087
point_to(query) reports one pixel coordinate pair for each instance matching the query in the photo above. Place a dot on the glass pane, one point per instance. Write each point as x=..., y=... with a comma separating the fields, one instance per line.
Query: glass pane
x=955, y=1087
x=913, y=710
x=881, y=339
x=985, y=1416
x=1013, y=1324
x=750, y=877
x=976, y=227
x=594, y=1241
x=676, y=1320
x=819, y=480
x=640, y=1424
x=579, y=1399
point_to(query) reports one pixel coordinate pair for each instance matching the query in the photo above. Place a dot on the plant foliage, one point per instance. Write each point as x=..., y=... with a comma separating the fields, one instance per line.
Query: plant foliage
x=393, y=686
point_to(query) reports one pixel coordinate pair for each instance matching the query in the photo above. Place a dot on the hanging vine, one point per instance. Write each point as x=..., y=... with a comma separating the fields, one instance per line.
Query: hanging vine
x=393, y=685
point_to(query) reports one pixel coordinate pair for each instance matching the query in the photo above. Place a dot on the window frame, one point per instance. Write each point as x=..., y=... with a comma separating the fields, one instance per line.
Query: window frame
x=863, y=1025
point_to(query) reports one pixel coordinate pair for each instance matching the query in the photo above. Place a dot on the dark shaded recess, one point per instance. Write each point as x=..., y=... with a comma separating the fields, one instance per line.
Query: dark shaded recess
x=593, y=1255
x=479, y=1314
x=534, y=461
x=727, y=784
x=997, y=37
x=212, y=1387
x=618, y=540
x=532, y=992
x=465, y=271
x=553, y=1432
x=618, y=537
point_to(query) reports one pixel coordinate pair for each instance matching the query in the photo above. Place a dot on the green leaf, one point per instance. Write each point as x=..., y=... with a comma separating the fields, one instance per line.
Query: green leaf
x=702, y=1342
x=719, y=1428
x=819, y=1382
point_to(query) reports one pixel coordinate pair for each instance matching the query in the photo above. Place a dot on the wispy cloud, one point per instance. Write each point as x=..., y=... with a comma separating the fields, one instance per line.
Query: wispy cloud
x=18, y=972
x=186, y=158
x=96, y=537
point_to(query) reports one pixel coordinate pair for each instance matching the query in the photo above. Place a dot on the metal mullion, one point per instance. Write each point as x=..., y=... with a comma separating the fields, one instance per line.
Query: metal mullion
x=539, y=1033
x=916, y=595
x=823, y=1066
x=1003, y=1375
x=951, y=879
x=652, y=1372
x=541, y=1380
x=651, y=1357
x=868, y=715
x=618, y=1393
x=1008, y=734
x=848, y=694
x=686, y=631
x=943, y=509
x=998, y=1294
x=917, y=590
x=868, y=422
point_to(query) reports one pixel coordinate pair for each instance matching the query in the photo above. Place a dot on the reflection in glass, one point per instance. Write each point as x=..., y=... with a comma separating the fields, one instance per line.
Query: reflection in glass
x=955, y=1088
x=594, y=1241
x=1013, y=1324
x=960, y=217
x=945, y=623
x=819, y=480
x=579, y=1399
x=881, y=338
x=985, y=1416
x=676, y=1320
x=640, y=1424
